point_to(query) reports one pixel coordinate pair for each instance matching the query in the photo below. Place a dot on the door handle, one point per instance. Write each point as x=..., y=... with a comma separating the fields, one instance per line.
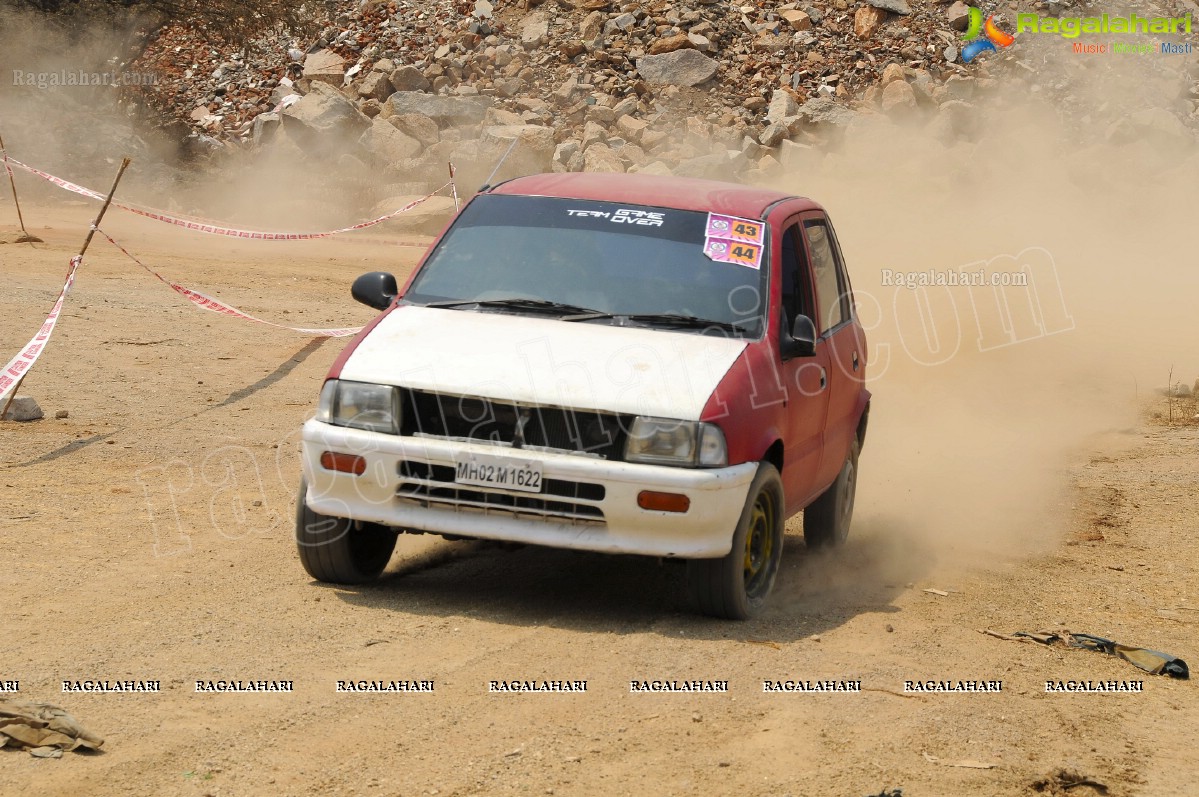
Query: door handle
x=823, y=379
x=855, y=361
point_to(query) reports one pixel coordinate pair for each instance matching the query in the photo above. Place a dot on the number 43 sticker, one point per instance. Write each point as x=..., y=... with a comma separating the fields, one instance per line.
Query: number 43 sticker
x=735, y=228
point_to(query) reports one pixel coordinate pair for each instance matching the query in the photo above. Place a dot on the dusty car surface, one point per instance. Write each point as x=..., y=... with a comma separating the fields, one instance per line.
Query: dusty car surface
x=605, y=362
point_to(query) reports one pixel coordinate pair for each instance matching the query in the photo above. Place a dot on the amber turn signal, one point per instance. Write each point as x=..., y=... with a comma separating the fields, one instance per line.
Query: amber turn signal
x=663, y=502
x=346, y=463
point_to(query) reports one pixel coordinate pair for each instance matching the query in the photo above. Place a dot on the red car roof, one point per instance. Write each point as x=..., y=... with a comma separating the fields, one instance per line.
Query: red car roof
x=683, y=193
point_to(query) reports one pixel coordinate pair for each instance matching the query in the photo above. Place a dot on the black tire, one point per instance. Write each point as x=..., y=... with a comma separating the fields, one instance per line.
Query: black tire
x=735, y=587
x=338, y=550
x=826, y=520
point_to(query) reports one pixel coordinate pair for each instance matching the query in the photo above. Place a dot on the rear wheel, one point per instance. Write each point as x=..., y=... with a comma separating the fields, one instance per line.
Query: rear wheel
x=339, y=550
x=826, y=521
x=735, y=587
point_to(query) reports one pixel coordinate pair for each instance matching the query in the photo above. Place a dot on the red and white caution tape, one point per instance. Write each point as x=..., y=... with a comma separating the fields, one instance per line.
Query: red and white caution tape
x=213, y=228
x=206, y=302
x=18, y=366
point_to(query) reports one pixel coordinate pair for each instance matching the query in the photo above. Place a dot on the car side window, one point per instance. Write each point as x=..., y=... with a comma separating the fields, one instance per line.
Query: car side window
x=794, y=283
x=831, y=295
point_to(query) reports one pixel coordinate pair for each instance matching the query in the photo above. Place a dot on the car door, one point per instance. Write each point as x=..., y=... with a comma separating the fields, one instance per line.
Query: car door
x=805, y=379
x=841, y=338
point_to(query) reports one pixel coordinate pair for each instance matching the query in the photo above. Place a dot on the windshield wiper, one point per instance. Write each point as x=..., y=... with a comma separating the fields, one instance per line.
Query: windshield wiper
x=671, y=319
x=517, y=303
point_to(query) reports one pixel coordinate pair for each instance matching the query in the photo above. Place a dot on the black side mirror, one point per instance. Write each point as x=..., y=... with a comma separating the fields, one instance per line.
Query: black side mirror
x=376, y=289
x=800, y=341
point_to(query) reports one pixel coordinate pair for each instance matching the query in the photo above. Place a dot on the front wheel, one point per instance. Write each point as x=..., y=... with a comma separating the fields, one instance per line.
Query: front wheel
x=735, y=587
x=826, y=520
x=340, y=550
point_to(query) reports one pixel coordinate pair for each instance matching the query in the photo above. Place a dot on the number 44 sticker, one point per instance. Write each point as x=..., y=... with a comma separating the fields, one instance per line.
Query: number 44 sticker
x=724, y=250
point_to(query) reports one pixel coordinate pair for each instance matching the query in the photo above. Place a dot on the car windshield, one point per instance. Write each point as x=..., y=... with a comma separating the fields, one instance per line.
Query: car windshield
x=593, y=262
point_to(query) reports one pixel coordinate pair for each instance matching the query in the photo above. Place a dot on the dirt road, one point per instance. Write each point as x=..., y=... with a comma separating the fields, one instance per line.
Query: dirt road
x=148, y=536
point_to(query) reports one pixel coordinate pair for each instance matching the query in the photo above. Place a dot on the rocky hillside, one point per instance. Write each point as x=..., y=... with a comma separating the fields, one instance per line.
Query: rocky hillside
x=714, y=87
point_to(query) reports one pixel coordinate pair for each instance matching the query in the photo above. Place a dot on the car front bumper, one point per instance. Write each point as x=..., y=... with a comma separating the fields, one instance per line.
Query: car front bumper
x=409, y=484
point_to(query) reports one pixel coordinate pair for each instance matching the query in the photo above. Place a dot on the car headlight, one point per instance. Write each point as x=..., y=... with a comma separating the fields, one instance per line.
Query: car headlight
x=662, y=441
x=360, y=405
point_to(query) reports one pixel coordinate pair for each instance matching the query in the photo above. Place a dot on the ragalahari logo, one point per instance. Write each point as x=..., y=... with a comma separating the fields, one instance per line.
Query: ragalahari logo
x=994, y=36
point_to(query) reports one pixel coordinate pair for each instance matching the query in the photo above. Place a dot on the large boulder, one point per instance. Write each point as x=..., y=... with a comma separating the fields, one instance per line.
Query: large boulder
x=375, y=86
x=530, y=148
x=445, y=111
x=678, y=68
x=601, y=158
x=898, y=98
x=717, y=166
x=823, y=111
x=325, y=66
x=387, y=144
x=414, y=125
x=324, y=115
x=409, y=78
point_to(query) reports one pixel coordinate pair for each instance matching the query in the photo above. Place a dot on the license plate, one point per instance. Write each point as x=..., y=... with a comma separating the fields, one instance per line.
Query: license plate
x=498, y=472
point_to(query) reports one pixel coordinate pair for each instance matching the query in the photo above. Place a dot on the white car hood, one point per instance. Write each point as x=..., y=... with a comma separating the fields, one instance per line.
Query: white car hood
x=538, y=361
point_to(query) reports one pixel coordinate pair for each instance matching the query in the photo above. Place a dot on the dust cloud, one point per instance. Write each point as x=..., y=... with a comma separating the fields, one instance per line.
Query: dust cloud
x=976, y=417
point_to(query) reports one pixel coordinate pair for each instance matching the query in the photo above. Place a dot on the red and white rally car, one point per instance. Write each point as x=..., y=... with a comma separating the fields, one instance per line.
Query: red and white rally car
x=621, y=363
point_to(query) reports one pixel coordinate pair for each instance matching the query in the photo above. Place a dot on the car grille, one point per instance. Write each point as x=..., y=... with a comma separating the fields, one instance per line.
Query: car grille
x=472, y=418
x=431, y=485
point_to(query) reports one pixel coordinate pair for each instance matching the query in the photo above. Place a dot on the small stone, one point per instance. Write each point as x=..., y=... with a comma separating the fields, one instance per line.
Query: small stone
x=591, y=26
x=61, y=414
x=958, y=15
x=890, y=628
x=566, y=91
x=798, y=20
x=23, y=408
x=894, y=6
x=866, y=21
x=697, y=717
x=565, y=151
x=631, y=128
x=593, y=134
x=534, y=31
x=571, y=49
x=624, y=21
x=670, y=43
